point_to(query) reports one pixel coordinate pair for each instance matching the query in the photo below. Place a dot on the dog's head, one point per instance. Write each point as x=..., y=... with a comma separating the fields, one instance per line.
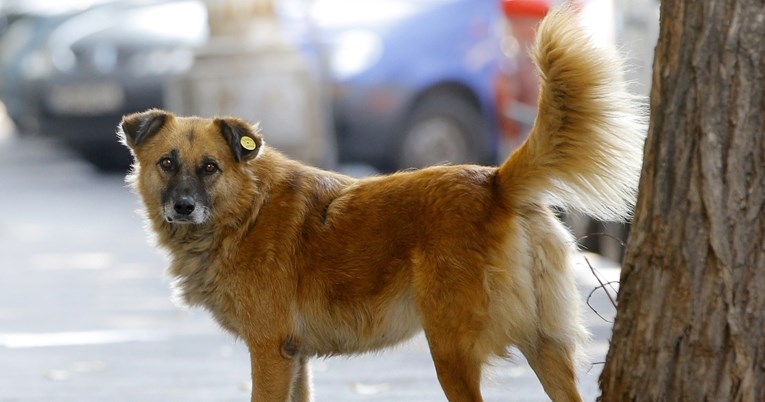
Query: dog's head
x=185, y=167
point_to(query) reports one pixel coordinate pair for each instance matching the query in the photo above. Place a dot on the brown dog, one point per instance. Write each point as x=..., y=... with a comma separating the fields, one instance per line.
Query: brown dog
x=300, y=262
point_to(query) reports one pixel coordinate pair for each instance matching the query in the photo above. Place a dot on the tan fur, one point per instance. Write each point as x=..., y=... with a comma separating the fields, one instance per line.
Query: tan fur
x=301, y=262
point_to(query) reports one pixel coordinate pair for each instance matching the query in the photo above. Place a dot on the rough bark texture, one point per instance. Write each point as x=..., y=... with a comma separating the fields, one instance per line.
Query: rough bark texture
x=690, y=321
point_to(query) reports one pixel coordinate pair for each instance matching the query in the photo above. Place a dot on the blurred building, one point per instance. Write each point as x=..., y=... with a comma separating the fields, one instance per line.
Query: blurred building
x=248, y=68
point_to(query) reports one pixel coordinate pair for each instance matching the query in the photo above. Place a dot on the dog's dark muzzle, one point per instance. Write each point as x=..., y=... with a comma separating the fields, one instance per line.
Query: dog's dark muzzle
x=185, y=199
x=184, y=206
x=185, y=209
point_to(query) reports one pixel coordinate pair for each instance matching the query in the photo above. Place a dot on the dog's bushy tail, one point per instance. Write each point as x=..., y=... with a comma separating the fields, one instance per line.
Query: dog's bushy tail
x=585, y=149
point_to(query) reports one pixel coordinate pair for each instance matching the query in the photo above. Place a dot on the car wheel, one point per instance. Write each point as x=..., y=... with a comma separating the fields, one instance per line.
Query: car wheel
x=443, y=128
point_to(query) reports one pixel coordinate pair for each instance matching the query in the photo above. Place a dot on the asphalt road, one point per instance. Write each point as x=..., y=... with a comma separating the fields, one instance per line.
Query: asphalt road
x=86, y=314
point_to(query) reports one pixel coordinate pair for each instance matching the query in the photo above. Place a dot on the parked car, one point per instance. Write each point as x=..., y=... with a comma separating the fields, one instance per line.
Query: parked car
x=25, y=28
x=74, y=74
x=412, y=82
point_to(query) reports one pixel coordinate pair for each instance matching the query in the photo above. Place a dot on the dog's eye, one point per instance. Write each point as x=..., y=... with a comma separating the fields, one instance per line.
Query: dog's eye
x=166, y=164
x=209, y=168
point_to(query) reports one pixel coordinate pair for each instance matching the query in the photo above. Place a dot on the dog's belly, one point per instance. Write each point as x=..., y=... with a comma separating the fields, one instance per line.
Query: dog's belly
x=352, y=329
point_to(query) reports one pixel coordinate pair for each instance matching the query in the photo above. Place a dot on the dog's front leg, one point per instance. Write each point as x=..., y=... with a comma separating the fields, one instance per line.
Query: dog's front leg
x=273, y=372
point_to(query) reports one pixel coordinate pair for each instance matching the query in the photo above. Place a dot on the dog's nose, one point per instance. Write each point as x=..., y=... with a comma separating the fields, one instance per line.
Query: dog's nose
x=184, y=205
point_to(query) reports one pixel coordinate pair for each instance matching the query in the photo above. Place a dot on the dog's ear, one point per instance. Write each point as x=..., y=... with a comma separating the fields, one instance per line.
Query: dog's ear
x=243, y=138
x=137, y=127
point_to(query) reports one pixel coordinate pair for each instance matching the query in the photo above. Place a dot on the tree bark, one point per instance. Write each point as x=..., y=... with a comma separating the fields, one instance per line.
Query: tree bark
x=691, y=307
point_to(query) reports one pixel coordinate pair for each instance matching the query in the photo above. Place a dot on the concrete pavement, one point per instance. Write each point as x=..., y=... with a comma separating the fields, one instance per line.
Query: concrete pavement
x=86, y=315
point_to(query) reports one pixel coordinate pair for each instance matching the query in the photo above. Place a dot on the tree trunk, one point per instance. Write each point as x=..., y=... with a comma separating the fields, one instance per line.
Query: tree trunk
x=690, y=322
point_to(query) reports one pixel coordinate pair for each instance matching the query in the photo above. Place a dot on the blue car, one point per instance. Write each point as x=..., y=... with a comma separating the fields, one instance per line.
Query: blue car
x=413, y=80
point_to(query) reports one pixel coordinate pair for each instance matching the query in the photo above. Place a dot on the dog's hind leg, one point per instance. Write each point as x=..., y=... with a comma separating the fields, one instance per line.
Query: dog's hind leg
x=458, y=370
x=452, y=308
x=554, y=350
x=553, y=362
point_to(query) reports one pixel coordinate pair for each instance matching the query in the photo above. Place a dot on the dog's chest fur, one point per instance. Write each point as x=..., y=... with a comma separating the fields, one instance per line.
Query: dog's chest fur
x=196, y=266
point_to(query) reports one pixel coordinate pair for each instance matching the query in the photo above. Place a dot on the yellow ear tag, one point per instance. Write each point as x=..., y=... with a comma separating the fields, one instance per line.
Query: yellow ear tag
x=248, y=143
